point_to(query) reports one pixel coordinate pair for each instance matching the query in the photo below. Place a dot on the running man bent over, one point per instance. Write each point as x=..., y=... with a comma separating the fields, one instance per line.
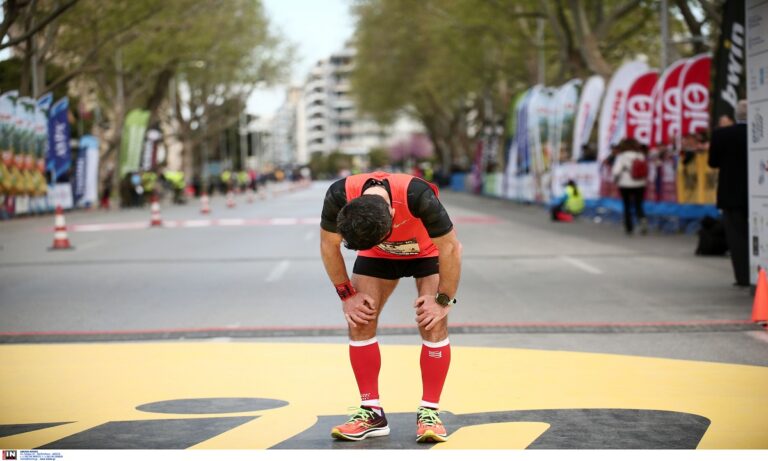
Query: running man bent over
x=400, y=229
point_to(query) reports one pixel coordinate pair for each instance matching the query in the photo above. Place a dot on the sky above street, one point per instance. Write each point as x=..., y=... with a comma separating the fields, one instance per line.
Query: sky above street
x=318, y=28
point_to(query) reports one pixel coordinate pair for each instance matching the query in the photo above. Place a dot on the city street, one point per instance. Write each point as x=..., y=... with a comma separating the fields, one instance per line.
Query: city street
x=223, y=331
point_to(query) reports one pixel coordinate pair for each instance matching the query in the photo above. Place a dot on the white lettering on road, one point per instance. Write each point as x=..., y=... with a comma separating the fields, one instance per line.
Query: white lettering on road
x=278, y=271
x=581, y=265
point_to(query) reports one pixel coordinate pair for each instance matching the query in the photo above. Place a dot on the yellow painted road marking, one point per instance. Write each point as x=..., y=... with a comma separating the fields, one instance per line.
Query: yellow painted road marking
x=90, y=384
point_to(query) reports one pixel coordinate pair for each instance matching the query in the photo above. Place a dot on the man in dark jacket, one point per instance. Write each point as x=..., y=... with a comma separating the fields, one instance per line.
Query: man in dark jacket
x=728, y=152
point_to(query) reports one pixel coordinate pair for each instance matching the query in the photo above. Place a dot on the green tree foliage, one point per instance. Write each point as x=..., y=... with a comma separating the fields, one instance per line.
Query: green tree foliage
x=191, y=63
x=455, y=65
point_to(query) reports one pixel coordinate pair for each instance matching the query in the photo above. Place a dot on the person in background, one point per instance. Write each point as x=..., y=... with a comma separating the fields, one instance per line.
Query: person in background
x=106, y=189
x=728, y=152
x=724, y=121
x=568, y=205
x=628, y=176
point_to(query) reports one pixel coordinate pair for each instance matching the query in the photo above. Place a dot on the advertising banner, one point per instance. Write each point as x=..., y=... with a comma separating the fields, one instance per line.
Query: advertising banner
x=7, y=128
x=585, y=175
x=640, y=107
x=565, y=102
x=612, y=124
x=589, y=106
x=24, y=155
x=729, y=65
x=510, y=175
x=696, y=182
x=538, y=125
x=78, y=181
x=694, y=95
x=133, y=140
x=756, y=16
x=666, y=106
x=522, y=137
x=86, y=172
x=59, y=158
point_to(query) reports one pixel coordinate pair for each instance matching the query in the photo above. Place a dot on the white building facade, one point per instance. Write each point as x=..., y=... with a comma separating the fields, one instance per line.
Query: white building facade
x=332, y=122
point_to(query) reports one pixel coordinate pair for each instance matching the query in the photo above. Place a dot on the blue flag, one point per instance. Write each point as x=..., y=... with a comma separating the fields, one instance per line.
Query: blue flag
x=59, y=158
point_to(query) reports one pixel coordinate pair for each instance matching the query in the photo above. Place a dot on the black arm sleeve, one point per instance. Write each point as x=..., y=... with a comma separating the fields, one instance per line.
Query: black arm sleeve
x=335, y=199
x=424, y=204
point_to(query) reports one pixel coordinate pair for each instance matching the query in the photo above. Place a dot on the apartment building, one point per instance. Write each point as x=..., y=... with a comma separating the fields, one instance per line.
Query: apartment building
x=332, y=122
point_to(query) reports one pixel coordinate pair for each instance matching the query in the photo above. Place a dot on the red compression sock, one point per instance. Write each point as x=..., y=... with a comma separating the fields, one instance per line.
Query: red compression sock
x=365, y=358
x=435, y=360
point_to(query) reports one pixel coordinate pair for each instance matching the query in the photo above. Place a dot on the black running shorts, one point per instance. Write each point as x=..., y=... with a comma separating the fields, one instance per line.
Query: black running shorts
x=393, y=269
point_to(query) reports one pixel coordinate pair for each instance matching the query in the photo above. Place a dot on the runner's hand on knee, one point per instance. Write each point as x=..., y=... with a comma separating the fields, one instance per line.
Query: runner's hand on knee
x=428, y=312
x=359, y=309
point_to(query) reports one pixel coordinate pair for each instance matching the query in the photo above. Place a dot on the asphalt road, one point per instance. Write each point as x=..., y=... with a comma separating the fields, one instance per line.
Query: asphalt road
x=585, y=286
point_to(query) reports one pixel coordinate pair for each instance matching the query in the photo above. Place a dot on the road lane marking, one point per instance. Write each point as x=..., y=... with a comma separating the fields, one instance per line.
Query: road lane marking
x=581, y=265
x=278, y=271
x=236, y=222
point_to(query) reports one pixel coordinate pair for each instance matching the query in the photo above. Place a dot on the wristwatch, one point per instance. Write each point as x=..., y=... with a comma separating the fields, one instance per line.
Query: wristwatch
x=444, y=300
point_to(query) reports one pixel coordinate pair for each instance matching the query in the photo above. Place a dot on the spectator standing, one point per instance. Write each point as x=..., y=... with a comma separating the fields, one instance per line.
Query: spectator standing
x=728, y=152
x=628, y=175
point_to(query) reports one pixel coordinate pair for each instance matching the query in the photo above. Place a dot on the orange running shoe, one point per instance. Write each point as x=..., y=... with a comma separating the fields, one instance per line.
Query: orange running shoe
x=429, y=428
x=363, y=422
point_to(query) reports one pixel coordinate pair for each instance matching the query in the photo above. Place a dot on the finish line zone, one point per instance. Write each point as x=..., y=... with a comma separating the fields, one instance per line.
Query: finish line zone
x=234, y=222
x=205, y=395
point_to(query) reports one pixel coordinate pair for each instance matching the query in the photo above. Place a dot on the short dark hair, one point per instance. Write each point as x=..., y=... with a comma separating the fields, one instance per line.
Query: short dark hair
x=364, y=222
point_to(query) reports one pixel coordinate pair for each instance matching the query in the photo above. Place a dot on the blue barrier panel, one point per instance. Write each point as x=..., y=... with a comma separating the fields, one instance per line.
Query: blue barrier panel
x=458, y=181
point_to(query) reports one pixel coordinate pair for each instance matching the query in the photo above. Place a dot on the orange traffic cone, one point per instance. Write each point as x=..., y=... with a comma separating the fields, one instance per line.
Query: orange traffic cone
x=204, y=204
x=60, y=239
x=760, y=306
x=230, y=199
x=157, y=221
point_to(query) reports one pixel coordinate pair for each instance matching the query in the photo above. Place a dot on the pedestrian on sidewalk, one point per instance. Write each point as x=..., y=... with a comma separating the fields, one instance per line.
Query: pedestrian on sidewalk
x=728, y=152
x=400, y=229
x=630, y=172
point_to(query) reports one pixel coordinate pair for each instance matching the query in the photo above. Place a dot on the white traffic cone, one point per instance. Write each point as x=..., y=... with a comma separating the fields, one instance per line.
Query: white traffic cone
x=230, y=199
x=157, y=221
x=205, y=207
x=60, y=239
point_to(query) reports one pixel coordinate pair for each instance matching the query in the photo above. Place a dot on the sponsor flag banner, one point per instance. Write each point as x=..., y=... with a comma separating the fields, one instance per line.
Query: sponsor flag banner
x=640, y=124
x=566, y=100
x=133, y=140
x=86, y=168
x=59, y=158
x=521, y=136
x=538, y=123
x=612, y=124
x=694, y=95
x=510, y=176
x=25, y=125
x=91, y=146
x=640, y=107
x=666, y=106
x=586, y=114
x=729, y=65
x=696, y=182
x=7, y=129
